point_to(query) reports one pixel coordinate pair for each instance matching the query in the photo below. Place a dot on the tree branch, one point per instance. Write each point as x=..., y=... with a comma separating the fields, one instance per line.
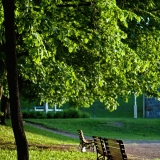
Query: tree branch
x=74, y=5
x=153, y=10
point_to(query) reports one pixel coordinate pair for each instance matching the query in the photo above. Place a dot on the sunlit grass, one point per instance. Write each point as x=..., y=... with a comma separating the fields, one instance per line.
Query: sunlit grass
x=36, y=136
x=42, y=145
x=119, y=128
x=48, y=155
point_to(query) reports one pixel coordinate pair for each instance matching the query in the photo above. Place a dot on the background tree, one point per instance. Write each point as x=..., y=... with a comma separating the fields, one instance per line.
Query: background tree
x=12, y=77
x=143, y=38
x=80, y=51
x=75, y=52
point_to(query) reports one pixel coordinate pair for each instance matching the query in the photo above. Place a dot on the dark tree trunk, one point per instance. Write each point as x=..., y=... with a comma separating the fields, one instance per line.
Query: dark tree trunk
x=12, y=77
x=5, y=109
x=1, y=91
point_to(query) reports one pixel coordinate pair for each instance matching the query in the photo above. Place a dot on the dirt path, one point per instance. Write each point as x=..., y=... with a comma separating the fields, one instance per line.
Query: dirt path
x=142, y=150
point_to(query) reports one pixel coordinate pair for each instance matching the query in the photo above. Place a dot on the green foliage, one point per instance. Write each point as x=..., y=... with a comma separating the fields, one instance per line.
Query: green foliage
x=26, y=114
x=99, y=50
x=41, y=115
x=58, y=115
x=73, y=113
x=1, y=114
x=98, y=109
x=68, y=113
x=50, y=115
x=84, y=115
x=34, y=114
x=124, y=110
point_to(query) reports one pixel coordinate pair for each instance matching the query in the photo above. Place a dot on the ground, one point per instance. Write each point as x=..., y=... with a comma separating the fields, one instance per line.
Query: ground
x=143, y=150
x=136, y=150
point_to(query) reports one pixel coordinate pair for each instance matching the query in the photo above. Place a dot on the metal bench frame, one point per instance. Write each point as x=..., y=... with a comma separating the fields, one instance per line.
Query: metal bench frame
x=85, y=143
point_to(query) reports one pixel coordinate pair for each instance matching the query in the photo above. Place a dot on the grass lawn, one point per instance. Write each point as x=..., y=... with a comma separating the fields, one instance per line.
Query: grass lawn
x=40, y=141
x=40, y=145
x=119, y=124
x=119, y=128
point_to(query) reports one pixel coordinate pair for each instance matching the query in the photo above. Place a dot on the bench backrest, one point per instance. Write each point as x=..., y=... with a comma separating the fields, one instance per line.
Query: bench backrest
x=115, y=149
x=81, y=136
x=100, y=147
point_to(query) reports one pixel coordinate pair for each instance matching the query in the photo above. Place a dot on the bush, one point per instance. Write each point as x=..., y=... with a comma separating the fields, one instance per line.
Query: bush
x=41, y=115
x=85, y=115
x=71, y=113
x=50, y=115
x=26, y=114
x=1, y=114
x=58, y=115
x=33, y=114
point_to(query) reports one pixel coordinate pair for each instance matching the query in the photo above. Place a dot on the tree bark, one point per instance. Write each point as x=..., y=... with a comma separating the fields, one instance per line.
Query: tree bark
x=1, y=91
x=12, y=77
x=5, y=109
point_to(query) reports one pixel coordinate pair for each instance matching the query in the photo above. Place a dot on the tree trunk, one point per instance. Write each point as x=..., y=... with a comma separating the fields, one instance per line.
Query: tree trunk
x=12, y=77
x=1, y=91
x=5, y=109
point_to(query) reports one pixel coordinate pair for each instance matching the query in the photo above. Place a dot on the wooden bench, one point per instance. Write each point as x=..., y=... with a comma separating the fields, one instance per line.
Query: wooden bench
x=85, y=143
x=100, y=148
x=110, y=149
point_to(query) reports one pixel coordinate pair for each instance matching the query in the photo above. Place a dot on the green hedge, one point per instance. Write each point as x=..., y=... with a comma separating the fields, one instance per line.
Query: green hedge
x=34, y=114
x=69, y=113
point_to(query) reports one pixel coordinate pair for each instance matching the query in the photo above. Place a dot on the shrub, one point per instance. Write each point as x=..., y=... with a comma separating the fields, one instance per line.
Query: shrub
x=41, y=115
x=58, y=115
x=33, y=114
x=72, y=113
x=50, y=115
x=85, y=115
x=69, y=113
x=26, y=114
x=1, y=114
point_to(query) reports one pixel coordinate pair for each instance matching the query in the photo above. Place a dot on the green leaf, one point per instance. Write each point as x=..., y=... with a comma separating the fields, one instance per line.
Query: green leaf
x=86, y=40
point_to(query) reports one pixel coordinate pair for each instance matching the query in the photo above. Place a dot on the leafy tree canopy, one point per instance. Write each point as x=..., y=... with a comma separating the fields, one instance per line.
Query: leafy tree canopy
x=86, y=50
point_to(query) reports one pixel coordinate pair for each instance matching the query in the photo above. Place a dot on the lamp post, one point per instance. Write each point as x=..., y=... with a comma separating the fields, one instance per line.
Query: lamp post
x=135, y=106
x=144, y=105
x=46, y=107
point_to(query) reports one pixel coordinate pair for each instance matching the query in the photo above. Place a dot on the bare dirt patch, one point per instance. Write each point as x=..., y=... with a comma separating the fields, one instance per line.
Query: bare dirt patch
x=143, y=151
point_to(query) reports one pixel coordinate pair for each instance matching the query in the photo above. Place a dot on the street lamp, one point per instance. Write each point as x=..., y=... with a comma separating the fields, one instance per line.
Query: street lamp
x=135, y=106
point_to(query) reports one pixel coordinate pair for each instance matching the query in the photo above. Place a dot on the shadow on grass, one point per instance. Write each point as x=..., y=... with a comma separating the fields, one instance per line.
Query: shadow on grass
x=41, y=130
x=33, y=146
x=7, y=145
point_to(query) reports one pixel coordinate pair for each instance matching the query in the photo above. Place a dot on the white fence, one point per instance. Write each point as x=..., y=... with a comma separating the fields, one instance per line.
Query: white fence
x=46, y=109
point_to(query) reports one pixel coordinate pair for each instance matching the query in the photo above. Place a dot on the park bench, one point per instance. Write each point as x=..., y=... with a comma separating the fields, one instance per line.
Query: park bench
x=109, y=149
x=100, y=148
x=85, y=143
